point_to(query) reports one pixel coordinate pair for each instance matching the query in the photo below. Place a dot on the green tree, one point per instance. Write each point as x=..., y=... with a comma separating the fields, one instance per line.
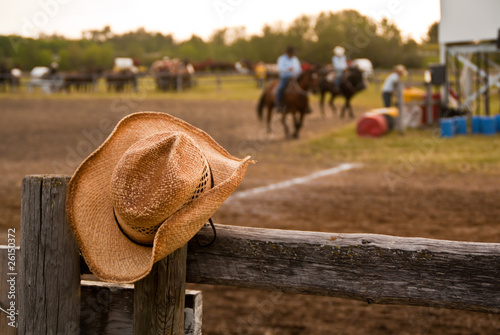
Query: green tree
x=71, y=57
x=195, y=49
x=97, y=57
x=432, y=33
x=30, y=54
x=410, y=55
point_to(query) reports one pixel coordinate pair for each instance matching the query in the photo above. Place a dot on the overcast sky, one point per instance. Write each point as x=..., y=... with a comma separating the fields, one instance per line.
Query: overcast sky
x=183, y=18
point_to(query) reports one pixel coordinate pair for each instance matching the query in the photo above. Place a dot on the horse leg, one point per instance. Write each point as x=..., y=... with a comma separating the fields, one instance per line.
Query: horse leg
x=351, y=113
x=283, y=121
x=298, y=121
x=332, y=105
x=268, y=119
x=322, y=103
x=342, y=112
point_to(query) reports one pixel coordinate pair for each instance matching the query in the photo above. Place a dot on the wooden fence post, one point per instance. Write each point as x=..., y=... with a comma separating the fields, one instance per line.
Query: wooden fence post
x=429, y=104
x=218, y=82
x=400, y=122
x=49, y=282
x=159, y=298
x=179, y=83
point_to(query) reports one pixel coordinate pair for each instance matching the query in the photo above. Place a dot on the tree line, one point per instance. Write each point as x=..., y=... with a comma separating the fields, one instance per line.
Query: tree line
x=313, y=36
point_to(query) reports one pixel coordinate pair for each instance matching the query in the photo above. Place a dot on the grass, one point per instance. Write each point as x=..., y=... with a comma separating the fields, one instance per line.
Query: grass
x=422, y=149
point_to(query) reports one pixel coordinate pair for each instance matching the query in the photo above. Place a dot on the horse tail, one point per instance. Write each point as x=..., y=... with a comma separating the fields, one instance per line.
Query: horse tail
x=260, y=106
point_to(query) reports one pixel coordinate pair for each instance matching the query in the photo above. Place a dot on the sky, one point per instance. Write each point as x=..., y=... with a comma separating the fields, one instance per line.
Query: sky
x=182, y=18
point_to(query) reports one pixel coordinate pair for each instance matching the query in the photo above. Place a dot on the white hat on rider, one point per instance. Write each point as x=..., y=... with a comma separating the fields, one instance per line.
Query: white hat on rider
x=339, y=51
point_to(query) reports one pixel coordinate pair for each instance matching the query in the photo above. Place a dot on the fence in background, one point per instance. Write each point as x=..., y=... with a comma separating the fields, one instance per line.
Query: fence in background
x=217, y=79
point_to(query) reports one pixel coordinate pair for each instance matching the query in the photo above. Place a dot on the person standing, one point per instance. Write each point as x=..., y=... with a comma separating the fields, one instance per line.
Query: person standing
x=390, y=84
x=260, y=74
x=288, y=66
x=339, y=62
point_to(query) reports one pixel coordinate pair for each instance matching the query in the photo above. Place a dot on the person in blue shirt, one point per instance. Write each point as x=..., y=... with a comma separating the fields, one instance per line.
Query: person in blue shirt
x=339, y=62
x=288, y=67
x=390, y=84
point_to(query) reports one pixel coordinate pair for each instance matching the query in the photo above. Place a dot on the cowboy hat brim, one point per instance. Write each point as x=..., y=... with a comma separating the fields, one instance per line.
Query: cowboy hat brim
x=111, y=255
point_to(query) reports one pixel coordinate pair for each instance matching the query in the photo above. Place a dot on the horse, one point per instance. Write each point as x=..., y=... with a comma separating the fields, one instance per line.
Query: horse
x=120, y=80
x=167, y=73
x=5, y=77
x=295, y=98
x=81, y=81
x=351, y=83
x=211, y=65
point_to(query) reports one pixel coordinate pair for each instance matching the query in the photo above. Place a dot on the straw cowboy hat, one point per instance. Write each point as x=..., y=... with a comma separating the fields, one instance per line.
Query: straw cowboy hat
x=145, y=192
x=338, y=51
x=401, y=69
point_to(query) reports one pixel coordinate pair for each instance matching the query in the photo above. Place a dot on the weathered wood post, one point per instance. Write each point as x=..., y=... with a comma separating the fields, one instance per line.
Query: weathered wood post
x=49, y=282
x=400, y=121
x=179, y=83
x=95, y=79
x=429, y=104
x=159, y=298
x=218, y=82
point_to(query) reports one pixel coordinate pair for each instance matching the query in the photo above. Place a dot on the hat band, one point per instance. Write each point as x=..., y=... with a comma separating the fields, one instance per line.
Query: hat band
x=130, y=238
x=196, y=194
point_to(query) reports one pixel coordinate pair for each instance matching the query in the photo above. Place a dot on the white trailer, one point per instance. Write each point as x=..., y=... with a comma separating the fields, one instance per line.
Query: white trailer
x=469, y=33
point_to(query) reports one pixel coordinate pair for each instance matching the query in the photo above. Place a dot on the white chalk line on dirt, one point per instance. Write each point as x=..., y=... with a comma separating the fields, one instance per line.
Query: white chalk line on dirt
x=294, y=181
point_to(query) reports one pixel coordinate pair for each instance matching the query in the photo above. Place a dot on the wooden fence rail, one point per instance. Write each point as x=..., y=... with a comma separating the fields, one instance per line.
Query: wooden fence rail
x=377, y=269
x=373, y=268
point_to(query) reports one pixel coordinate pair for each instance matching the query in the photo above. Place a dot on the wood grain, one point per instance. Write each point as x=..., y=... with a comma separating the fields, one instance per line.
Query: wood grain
x=159, y=297
x=49, y=282
x=377, y=269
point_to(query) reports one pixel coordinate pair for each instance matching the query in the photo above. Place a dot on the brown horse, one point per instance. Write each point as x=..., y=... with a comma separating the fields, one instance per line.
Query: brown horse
x=295, y=98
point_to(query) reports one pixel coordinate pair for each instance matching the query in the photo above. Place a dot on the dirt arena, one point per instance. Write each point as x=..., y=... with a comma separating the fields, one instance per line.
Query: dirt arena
x=47, y=136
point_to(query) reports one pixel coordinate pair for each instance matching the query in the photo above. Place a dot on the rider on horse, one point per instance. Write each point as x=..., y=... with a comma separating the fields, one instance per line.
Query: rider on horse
x=288, y=67
x=339, y=62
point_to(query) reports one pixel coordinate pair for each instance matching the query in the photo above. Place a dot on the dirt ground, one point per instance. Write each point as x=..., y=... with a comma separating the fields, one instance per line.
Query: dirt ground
x=45, y=136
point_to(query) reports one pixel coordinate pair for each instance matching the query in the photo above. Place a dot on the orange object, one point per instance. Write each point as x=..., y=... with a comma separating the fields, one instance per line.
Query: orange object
x=413, y=94
x=372, y=125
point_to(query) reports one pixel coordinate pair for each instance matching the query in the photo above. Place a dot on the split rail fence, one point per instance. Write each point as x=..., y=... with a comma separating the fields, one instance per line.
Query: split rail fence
x=379, y=269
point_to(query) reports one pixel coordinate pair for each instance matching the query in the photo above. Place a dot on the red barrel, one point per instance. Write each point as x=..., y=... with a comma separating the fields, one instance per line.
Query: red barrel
x=372, y=125
x=434, y=108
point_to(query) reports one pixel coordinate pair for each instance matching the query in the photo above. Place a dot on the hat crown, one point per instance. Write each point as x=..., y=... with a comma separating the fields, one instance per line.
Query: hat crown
x=339, y=51
x=401, y=69
x=156, y=177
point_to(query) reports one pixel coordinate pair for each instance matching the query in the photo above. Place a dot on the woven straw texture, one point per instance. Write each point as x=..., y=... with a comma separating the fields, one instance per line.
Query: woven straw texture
x=134, y=175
